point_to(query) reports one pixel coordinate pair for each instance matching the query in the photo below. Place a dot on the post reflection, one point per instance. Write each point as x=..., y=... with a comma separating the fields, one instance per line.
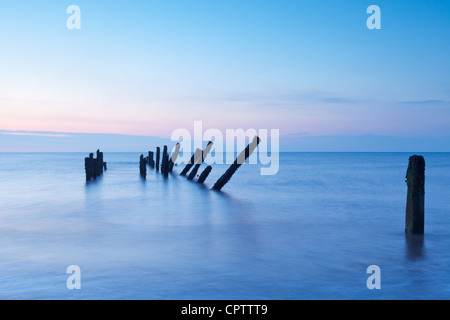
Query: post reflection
x=414, y=246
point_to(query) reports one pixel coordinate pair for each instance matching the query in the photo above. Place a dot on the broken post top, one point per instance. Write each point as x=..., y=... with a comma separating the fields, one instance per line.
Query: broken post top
x=416, y=167
x=175, y=153
x=415, y=203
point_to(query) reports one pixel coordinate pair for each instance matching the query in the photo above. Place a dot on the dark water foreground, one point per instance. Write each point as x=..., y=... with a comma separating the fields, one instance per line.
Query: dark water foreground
x=309, y=232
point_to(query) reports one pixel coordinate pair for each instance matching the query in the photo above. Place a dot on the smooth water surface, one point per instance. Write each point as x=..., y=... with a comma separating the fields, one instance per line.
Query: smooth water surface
x=309, y=232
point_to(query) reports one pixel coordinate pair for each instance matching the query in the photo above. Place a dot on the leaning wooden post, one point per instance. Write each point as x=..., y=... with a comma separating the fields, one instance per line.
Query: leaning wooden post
x=200, y=160
x=174, y=157
x=190, y=163
x=237, y=163
x=204, y=174
x=415, y=200
x=158, y=150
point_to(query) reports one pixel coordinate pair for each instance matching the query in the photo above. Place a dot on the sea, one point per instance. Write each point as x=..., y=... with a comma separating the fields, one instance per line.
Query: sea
x=311, y=231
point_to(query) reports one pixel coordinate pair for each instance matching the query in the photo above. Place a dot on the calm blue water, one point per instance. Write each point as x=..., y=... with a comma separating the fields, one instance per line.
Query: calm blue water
x=309, y=232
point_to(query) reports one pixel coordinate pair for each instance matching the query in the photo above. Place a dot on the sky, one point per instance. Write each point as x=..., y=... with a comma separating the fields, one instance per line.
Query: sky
x=311, y=69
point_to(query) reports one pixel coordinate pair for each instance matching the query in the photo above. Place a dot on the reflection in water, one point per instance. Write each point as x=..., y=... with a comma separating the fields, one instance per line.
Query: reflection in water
x=414, y=246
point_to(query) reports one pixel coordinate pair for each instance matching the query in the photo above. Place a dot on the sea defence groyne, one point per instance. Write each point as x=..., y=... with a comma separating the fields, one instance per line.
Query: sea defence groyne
x=192, y=168
x=94, y=167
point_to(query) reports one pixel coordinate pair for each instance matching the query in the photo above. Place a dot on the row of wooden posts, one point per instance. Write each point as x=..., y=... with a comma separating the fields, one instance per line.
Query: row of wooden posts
x=94, y=167
x=167, y=163
x=415, y=175
x=196, y=160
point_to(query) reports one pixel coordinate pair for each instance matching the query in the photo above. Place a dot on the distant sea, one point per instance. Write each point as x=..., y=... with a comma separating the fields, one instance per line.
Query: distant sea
x=309, y=232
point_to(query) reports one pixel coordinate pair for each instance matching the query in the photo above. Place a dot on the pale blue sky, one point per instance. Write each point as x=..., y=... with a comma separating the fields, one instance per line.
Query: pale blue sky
x=150, y=67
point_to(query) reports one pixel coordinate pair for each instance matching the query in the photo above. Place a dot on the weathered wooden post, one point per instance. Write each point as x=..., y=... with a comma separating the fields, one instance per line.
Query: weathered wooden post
x=165, y=163
x=204, y=174
x=200, y=160
x=98, y=164
x=89, y=166
x=158, y=150
x=174, y=157
x=190, y=163
x=105, y=167
x=142, y=166
x=151, y=162
x=237, y=163
x=415, y=200
x=92, y=160
x=94, y=166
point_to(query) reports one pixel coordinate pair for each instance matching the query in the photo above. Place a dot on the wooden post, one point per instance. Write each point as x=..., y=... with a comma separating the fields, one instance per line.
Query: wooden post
x=237, y=163
x=415, y=200
x=204, y=174
x=200, y=160
x=151, y=162
x=89, y=166
x=174, y=157
x=94, y=166
x=143, y=166
x=197, y=154
x=92, y=161
x=190, y=163
x=165, y=163
x=99, y=162
x=158, y=150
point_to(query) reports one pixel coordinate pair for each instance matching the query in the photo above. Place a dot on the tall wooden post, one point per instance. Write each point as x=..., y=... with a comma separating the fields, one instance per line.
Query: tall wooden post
x=158, y=150
x=237, y=163
x=165, y=163
x=151, y=162
x=142, y=166
x=99, y=164
x=89, y=166
x=415, y=200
